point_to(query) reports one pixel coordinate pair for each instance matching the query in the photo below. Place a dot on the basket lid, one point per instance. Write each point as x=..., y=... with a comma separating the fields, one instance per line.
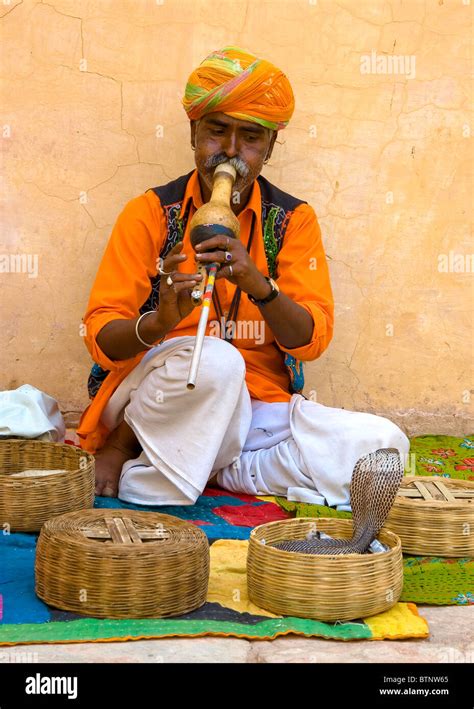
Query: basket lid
x=122, y=530
x=419, y=489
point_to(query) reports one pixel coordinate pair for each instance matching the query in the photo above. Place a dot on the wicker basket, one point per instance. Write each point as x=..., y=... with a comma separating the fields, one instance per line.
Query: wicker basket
x=27, y=502
x=120, y=563
x=434, y=516
x=330, y=588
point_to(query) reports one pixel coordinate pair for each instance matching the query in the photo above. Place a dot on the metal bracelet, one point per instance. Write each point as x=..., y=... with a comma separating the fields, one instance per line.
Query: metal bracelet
x=138, y=336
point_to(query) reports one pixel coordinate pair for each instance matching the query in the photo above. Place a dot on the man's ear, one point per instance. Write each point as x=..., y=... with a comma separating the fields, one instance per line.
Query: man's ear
x=193, y=134
x=272, y=143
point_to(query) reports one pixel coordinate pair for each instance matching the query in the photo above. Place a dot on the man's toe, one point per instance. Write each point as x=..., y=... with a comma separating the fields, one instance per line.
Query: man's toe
x=98, y=488
x=109, y=491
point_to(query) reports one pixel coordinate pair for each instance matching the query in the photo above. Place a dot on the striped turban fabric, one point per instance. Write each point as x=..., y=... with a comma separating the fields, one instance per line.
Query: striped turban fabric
x=239, y=84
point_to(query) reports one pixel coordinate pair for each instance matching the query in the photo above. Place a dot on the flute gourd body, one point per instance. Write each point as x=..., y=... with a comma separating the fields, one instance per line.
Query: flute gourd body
x=213, y=218
x=216, y=216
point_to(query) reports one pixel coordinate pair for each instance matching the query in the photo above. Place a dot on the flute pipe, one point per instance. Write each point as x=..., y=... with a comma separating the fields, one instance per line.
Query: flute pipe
x=201, y=329
x=198, y=345
x=198, y=290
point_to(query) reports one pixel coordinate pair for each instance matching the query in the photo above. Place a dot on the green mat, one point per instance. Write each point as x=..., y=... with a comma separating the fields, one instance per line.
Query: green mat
x=447, y=456
x=426, y=579
x=438, y=581
x=91, y=629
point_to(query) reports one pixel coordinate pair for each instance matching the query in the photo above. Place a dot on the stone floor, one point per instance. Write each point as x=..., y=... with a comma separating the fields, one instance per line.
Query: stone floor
x=451, y=641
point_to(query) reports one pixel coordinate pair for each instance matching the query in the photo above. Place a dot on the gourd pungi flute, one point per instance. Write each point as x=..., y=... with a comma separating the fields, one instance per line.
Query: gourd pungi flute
x=214, y=217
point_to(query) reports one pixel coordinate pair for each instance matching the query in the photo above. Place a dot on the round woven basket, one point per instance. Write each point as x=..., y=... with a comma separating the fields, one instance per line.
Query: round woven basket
x=120, y=563
x=27, y=502
x=434, y=516
x=333, y=587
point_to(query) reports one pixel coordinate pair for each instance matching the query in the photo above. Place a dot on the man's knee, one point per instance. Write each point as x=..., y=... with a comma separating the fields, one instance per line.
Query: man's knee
x=220, y=361
x=391, y=435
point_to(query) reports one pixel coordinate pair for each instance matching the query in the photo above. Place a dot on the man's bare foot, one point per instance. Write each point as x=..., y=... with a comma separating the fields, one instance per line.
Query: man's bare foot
x=121, y=446
x=108, y=466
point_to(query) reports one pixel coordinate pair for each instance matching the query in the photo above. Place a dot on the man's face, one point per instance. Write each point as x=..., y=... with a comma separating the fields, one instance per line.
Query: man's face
x=218, y=137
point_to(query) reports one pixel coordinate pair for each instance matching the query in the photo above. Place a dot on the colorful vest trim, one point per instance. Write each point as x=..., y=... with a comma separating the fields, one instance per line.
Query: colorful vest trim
x=277, y=207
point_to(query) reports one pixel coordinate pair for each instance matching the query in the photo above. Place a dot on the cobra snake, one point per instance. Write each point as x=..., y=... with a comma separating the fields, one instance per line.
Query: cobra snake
x=375, y=481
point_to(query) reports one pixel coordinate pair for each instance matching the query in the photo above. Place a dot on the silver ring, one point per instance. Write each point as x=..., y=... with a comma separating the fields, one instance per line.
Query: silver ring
x=160, y=268
x=231, y=271
x=169, y=281
x=228, y=256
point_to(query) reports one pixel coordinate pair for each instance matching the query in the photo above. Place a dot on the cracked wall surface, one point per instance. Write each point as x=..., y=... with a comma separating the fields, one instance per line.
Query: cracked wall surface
x=384, y=158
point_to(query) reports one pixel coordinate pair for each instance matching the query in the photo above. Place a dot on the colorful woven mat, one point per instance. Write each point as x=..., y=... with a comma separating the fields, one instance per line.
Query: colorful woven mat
x=229, y=518
x=426, y=579
x=227, y=612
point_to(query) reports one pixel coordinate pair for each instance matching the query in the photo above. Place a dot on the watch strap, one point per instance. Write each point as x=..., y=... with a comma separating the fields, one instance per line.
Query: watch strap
x=271, y=296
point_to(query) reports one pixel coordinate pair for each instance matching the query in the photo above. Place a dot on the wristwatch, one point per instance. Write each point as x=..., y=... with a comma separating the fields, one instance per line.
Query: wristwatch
x=271, y=296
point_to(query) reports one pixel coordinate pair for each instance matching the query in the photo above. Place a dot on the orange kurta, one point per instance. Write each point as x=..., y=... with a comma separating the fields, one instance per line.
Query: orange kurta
x=122, y=285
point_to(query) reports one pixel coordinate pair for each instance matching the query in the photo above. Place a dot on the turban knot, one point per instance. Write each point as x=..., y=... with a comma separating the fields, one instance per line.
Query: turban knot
x=237, y=83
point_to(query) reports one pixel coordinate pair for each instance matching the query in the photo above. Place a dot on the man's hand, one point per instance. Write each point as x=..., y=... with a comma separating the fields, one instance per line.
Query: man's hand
x=240, y=270
x=118, y=339
x=291, y=324
x=175, y=300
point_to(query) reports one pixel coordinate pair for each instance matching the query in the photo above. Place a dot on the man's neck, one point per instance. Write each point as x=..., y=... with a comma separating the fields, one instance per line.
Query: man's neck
x=236, y=208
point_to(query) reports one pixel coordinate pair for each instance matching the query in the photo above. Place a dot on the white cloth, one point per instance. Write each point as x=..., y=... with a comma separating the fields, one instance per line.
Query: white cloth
x=314, y=453
x=302, y=450
x=185, y=434
x=27, y=412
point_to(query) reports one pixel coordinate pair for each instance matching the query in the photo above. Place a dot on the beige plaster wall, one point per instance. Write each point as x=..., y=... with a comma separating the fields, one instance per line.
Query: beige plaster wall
x=92, y=118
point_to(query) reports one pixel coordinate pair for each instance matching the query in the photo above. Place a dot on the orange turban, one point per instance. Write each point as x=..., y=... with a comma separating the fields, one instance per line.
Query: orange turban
x=239, y=84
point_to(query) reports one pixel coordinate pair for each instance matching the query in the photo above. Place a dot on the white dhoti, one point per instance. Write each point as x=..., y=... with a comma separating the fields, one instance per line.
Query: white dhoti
x=301, y=450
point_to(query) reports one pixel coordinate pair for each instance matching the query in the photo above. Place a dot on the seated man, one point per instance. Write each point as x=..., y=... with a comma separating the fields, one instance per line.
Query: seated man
x=245, y=424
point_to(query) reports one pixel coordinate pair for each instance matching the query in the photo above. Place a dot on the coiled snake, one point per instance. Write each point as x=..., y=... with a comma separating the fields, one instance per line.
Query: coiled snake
x=375, y=482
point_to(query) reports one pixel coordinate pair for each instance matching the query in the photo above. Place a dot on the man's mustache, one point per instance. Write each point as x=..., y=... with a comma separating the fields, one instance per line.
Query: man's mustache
x=239, y=164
